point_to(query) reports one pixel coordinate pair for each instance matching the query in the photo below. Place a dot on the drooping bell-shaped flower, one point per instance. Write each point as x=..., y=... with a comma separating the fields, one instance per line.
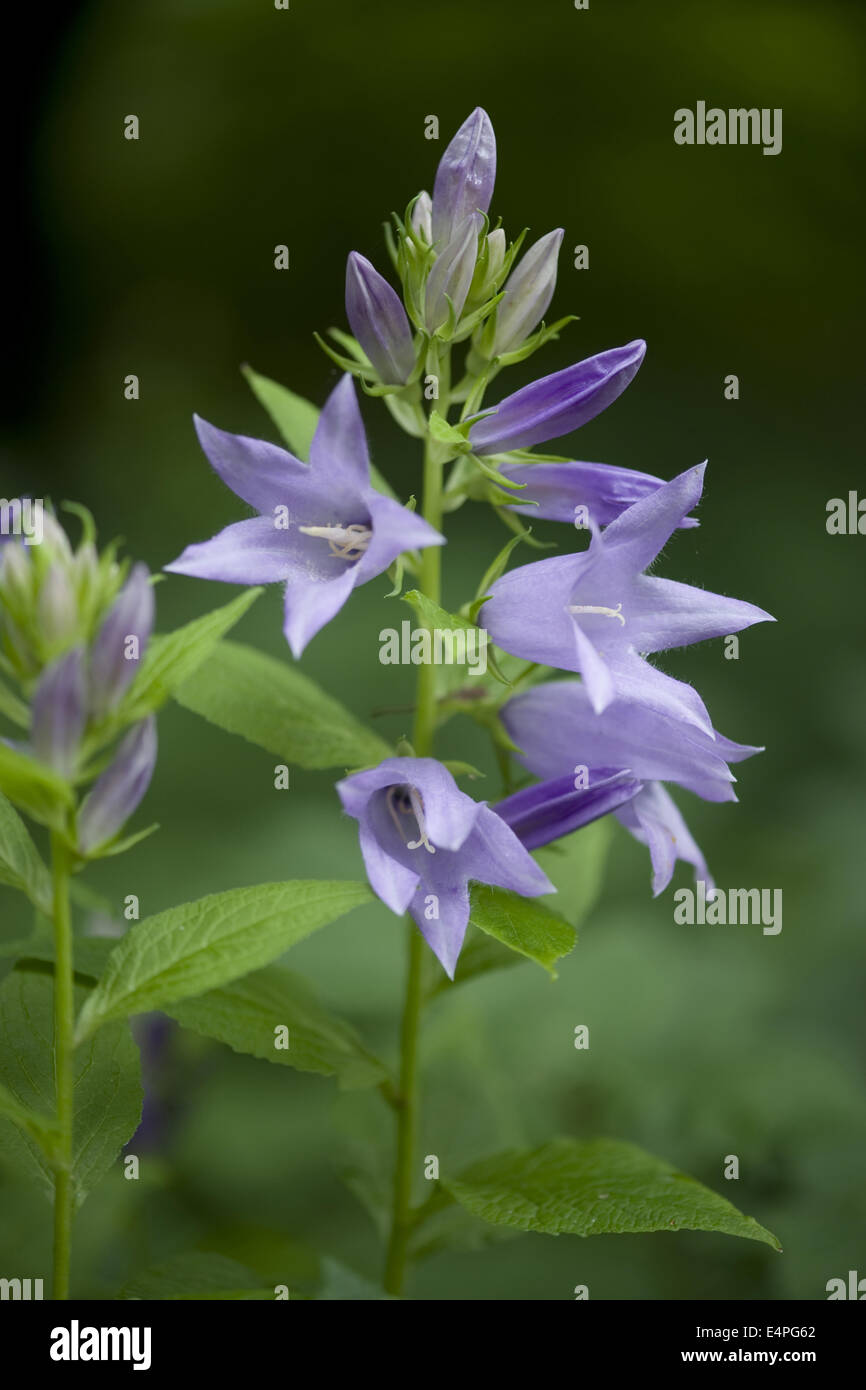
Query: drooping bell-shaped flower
x=379, y=322
x=548, y=810
x=654, y=820
x=582, y=494
x=59, y=713
x=322, y=528
x=556, y=404
x=598, y=613
x=528, y=292
x=465, y=176
x=121, y=641
x=451, y=275
x=557, y=730
x=423, y=841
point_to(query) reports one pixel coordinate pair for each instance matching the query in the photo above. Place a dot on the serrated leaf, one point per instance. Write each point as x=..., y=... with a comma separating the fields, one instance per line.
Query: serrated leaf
x=33, y=787
x=595, y=1187
x=107, y=1084
x=202, y=945
x=172, y=659
x=246, y=1014
x=272, y=704
x=575, y=865
x=525, y=925
x=294, y=417
x=197, y=1275
x=20, y=863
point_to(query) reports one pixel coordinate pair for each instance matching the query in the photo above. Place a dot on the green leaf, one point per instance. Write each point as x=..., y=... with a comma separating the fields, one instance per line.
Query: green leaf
x=446, y=434
x=202, y=945
x=107, y=1084
x=595, y=1187
x=34, y=787
x=170, y=660
x=13, y=708
x=575, y=865
x=272, y=704
x=90, y=953
x=20, y=864
x=341, y=1283
x=524, y=925
x=294, y=417
x=247, y=1013
x=197, y=1275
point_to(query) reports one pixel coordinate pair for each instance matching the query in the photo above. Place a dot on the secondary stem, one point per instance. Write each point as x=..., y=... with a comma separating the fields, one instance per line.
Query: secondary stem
x=407, y=1100
x=64, y=1076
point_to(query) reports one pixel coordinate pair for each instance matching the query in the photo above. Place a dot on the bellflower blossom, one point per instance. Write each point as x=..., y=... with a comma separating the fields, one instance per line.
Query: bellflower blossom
x=558, y=731
x=423, y=840
x=569, y=491
x=548, y=810
x=322, y=527
x=598, y=613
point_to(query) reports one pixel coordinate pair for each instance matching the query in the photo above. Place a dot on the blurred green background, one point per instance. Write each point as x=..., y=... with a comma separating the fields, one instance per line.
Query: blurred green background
x=155, y=257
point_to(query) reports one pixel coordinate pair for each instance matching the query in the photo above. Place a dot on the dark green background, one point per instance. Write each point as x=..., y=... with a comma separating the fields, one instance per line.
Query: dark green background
x=261, y=127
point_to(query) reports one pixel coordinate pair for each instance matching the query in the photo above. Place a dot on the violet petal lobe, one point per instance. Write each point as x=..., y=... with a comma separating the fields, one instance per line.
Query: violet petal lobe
x=654, y=820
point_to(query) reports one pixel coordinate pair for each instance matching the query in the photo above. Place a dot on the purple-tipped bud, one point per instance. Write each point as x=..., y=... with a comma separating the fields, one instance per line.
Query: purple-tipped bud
x=557, y=404
x=548, y=810
x=421, y=219
x=60, y=713
x=452, y=274
x=116, y=794
x=528, y=292
x=465, y=177
x=121, y=641
x=378, y=320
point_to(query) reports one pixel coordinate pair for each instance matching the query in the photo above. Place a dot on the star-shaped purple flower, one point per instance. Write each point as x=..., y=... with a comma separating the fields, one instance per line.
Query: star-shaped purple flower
x=598, y=613
x=322, y=528
x=423, y=840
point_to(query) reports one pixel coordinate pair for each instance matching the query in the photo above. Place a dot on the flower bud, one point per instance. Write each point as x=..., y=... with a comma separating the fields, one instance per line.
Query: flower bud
x=59, y=713
x=116, y=794
x=56, y=609
x=528, y=292
x=378, y=320
x=465, y=176
x=421, y=219
x=452, y=274
x=115, y=655
x=559, y=403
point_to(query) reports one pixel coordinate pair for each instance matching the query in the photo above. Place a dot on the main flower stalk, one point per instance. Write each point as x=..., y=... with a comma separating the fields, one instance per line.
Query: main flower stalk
x=407, y=1100
x=64, y=1075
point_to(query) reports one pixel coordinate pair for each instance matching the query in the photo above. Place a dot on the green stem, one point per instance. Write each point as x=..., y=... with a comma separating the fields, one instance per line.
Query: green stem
x=423, y=737
x=64, y=1076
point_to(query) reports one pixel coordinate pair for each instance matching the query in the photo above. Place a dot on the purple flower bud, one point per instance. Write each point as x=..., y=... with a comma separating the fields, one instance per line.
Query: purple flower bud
x=557, y=404
x=60, y=712
x=121, y=641
x=378, y=320
x=528, y=292
x=452, y=274
x=465, y=177
x=116, y=794
x=421, y=219
x=549, y=810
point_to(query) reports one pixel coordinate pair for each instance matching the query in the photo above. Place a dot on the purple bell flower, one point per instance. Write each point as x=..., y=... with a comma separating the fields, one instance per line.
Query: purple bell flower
x=572, y=491
x=322, y=528
x=378, y=320
x=423, y=840
x=557, y=404
x=654, y=820
x=115, y=795
x=598, y=613
x=465, y=176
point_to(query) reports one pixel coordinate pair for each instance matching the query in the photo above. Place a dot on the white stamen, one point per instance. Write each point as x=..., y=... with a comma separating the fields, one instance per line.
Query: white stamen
x=592, y=608
x=397, y=803
x=346, y=542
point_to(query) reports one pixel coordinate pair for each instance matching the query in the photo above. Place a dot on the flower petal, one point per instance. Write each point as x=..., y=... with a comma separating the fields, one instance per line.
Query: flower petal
x=654, y=820
x=311, y=602
x=338, y=451
x=261, y=474
x=253, y=551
